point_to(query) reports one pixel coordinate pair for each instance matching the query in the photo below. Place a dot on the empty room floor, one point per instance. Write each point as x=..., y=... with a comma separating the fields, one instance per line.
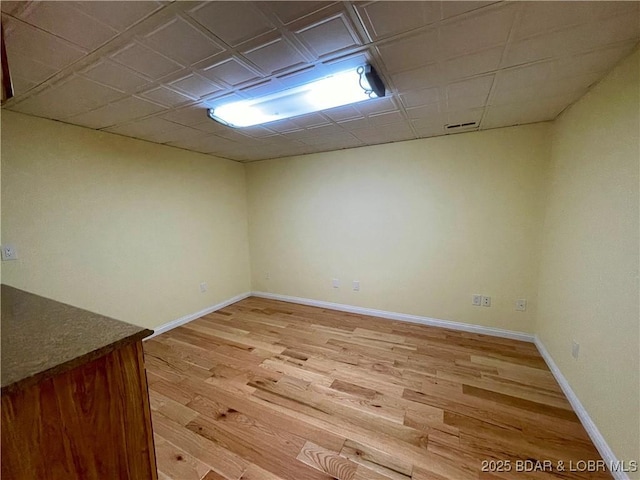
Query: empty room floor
x=268, y=390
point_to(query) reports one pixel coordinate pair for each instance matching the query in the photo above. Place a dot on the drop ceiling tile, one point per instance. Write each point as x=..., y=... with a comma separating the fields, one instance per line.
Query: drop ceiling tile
x=602, y=60
x=71, y=96
x=195, y=86
x=204, y=143
x=284, y=126
x=233, y=22
x=383, y=19
x=182, y=42
x=13, y=8
x=339, y=114
x=231, y=72
x=288, y=12
x=475, y=87
x=573, y=40
x=466, y=103
x=472, y=64
x=145, y=61
x=487, y=28
x=464, y=116
x=376, y=105
x=38, y=45
x=306, y=74
x=522, y=113
x=258, y=132
x=165, y=96
x=121, y=111
x=390, y=133
x=576, y=85
x=329, y=129
x=145, y=128
x=175, y=134
x=263, y=89
x=539, y=17
x=416, y=98
x=424, y=111
x=348, y=61
x=429, y=127
x=275, y=56
x=419, y=78
x=335, y=139
x=329, y=36
x=64, y=20
x=188, y=116
x=381, y=119
x=526, y=76
x=352, y=124
x=311, y=120
x=455, y=8
x=115, y=75
x=21, y=85
x=211, y=126
x=118, y=14
x=26, y=72
x=613, y=30
x=236, y=135
x=410, y=52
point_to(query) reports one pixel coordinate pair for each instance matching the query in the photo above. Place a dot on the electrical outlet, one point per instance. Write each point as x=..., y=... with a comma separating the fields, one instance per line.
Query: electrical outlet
x=476, y=300
x=9, y=252
x=521, y=305
x=575, y=349
x=267, y=276
x=335, y=283
x=356, y=285
x=203, y=287
x=486, y=301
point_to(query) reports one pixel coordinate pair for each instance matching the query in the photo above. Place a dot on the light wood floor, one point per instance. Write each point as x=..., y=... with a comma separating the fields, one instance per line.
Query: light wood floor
x=266, y=390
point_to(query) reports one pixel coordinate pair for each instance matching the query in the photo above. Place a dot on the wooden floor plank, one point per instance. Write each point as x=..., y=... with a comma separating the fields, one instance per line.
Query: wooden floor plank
x=268, y=390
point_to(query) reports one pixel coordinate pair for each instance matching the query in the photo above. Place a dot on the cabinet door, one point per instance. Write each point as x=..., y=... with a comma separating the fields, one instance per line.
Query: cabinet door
x=91, y=422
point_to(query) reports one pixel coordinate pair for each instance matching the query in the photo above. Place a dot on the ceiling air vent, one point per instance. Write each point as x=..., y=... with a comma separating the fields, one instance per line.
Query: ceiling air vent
x=457, y=127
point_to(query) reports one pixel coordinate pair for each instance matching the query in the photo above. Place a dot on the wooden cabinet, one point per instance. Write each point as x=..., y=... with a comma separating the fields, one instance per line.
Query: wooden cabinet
x=88, y=422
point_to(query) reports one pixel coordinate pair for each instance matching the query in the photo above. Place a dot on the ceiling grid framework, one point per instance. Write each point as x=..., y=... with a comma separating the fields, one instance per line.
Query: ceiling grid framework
x=150, y=69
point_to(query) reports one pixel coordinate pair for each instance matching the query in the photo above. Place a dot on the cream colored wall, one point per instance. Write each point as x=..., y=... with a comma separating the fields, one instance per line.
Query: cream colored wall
x=120, y=226
x=422, y=225
x=589, y=272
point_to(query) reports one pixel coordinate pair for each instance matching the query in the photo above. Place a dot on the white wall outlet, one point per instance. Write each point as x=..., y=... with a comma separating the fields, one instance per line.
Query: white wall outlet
x=521, y=305
x=356, y=285
x=267, y=276
x=9, y=252
x=486, y=301
x=335, y=283
x=476, y=300
x=575, y=349
x=203, y=287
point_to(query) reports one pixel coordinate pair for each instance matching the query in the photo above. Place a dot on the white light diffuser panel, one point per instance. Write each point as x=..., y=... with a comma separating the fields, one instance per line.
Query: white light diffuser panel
x=337, y=90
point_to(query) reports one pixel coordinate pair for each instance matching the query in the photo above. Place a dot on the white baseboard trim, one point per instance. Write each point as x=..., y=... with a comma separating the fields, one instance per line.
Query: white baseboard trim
x=403, y=317
x=192, y=316
x=596, y=437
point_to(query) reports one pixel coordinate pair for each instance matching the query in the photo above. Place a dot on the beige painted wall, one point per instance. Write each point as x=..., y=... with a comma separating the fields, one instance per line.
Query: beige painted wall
x=422, y=225
x=589, y=272
x=119, y=226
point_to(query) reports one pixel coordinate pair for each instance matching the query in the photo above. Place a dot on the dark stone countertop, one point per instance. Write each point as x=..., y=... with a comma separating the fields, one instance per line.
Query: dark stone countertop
x=42, y=338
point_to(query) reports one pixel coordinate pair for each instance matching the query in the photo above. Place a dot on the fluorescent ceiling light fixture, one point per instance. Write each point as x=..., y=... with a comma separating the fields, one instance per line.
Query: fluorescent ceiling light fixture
x=343, y=88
